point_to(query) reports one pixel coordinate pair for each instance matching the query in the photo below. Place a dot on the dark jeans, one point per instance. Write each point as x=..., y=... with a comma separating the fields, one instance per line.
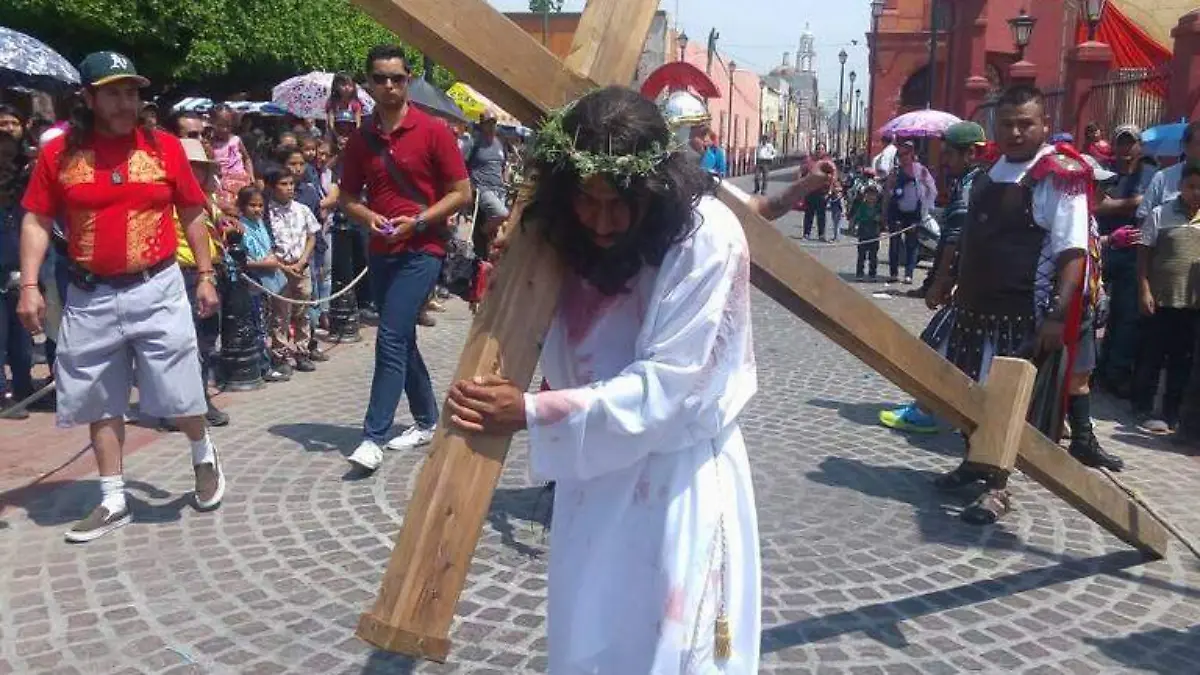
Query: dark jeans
x=761, y=176
x=1167, y=340
x=868, y=253
x=814, y=207
x=208, y=330
x=1120, y=348
x=16, y=348
x=1189, y=410
x=908, y=243
x=401, y=284
x=363, y=292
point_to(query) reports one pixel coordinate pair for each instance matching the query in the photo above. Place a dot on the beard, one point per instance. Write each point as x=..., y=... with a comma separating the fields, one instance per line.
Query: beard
x=608, y=268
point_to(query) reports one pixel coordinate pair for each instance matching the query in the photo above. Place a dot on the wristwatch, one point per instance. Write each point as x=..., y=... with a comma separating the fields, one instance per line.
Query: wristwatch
x=208, y=275
x=420, y=224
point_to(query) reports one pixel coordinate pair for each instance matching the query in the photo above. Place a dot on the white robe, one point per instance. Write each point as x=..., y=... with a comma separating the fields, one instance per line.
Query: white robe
x=639, y=431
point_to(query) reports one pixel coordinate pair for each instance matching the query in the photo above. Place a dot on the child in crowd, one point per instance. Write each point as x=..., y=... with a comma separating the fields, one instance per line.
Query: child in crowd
x=233, y=158
x=343, y=98
x=837, y=205
x=309, y=193
x=1169, y=297
x=264, y=267
x=208, y=329
x=327, y=190
x=867, y=218
x=294, y=228
x=308, y=148
x=292, y=159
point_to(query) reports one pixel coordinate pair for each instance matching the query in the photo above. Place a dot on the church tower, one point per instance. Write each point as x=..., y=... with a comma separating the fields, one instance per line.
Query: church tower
x=807, y=55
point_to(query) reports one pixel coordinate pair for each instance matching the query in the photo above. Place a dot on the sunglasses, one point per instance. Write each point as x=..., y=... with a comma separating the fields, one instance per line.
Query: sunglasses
x=384, y=78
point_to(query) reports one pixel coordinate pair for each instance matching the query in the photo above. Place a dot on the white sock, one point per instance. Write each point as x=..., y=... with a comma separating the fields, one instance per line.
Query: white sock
x=112, y=493
x=203, y=451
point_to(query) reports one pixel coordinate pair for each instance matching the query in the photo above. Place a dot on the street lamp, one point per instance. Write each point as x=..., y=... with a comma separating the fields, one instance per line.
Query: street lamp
x=850, y=105
x=683, y=40
x=872, y=68
x=1021, y=27
x=837, y=143
x=858, y=114
x=729, y=122
x=1094, y=9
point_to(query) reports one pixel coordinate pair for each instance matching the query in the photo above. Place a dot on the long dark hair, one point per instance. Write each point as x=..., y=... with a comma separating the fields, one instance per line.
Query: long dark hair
x=619, y=121
x=13, y=173
x=335, y=88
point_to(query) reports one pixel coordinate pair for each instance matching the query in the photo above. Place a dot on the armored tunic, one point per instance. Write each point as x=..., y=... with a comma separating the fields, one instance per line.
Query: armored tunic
x=1022, y=217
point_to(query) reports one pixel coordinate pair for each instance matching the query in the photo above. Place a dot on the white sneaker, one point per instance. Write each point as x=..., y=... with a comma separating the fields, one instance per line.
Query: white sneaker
x=413, y=437
x=368, y=456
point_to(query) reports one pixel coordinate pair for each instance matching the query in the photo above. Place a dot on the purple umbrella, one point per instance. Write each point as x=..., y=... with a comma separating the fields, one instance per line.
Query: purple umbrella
x=919, y=124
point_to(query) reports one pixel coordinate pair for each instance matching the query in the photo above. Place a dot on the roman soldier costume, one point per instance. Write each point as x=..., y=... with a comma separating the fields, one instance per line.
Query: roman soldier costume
x=681, y=90
x=1007, y=276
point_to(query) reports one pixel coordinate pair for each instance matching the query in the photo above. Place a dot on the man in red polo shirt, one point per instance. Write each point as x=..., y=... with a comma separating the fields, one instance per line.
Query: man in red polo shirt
x=408, y=166
x=116, y=188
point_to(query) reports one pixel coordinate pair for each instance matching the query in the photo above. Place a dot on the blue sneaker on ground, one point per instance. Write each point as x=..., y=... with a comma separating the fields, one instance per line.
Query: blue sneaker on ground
x=909, y=418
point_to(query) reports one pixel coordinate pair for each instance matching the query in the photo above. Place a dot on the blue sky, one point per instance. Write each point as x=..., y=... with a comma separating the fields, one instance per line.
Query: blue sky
x=757, y=32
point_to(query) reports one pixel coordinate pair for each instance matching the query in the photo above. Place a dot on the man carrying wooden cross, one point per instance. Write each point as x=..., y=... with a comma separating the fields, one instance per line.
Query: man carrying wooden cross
x=654, y=562
x=1018, y=282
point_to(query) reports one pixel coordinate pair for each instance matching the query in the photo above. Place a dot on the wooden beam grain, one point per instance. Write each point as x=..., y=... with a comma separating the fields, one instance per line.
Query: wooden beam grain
x=485, y=50
x=428, y=566
x=814, y=293
x=605, y=48
x=996, y=441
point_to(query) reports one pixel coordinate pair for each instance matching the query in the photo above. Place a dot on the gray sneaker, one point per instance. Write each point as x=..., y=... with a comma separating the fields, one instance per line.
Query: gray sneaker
x=99, y=522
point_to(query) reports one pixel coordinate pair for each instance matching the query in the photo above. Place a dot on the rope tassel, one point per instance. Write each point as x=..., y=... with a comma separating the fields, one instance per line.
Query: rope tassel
x=722, y=639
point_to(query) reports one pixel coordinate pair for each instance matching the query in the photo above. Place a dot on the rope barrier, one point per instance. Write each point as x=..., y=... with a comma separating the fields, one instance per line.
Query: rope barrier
x=1154, y=513
x=860, y=241
x=305, y=303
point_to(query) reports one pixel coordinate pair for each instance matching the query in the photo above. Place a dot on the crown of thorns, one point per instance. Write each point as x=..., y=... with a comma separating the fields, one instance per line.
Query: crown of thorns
x=556, y=148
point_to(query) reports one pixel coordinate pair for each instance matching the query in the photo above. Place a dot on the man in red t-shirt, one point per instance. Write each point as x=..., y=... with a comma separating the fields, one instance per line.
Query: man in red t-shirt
x=408, y=167
x=116, y=187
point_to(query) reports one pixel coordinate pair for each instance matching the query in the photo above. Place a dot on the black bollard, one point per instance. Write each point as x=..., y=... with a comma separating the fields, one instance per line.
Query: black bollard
x=241, y=352
x=343, y=310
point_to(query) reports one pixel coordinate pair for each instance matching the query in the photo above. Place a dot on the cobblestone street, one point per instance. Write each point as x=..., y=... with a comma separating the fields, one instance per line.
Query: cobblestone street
x=866, y=569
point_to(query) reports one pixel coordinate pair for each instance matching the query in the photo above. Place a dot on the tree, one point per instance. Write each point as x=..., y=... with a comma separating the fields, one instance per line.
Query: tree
x=214, y=46
x=545, y=6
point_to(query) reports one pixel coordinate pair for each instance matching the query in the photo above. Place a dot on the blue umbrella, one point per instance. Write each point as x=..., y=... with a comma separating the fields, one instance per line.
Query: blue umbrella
x=1164, y=140
x=26, y=62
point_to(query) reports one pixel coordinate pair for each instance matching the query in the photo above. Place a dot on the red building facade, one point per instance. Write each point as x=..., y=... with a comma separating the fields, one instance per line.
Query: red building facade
x=975, y=56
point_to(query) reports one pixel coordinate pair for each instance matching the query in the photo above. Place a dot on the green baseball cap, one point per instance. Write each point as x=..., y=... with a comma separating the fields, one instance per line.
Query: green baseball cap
x=965, y=135
x=101, y=68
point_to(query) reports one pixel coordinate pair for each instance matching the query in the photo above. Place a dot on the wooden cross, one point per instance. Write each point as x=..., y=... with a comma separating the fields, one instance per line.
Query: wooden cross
x=429, y=563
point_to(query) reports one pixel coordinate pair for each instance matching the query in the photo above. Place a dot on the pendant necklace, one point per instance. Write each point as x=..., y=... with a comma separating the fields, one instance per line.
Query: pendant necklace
x=116, y=177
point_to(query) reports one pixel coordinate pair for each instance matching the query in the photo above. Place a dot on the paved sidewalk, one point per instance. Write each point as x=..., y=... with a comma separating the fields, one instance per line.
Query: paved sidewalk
x=866, y=570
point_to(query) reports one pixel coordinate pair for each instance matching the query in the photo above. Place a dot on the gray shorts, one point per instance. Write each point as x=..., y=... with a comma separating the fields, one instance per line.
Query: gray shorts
x=109, y=334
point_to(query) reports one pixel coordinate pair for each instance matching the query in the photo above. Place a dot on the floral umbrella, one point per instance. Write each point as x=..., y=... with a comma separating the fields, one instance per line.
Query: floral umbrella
x=26, y=62
x=919, y=124
x=306, y=95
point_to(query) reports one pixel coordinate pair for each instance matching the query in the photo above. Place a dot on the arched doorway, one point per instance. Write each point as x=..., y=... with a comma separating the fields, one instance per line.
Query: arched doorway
x=915, y=92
